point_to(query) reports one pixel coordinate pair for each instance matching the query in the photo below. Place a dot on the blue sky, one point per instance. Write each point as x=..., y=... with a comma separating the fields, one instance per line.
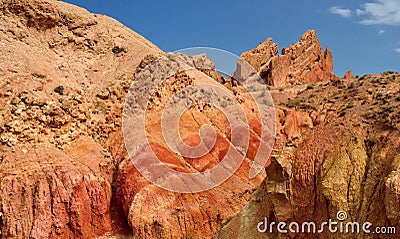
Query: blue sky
x=363, y=35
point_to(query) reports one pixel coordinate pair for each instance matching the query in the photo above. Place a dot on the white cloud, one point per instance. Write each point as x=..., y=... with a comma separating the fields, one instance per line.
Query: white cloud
x=381, y=31
x=344, y=12
x=360, y=12
x=397, y=50
x=385, y=12
x=377, y=12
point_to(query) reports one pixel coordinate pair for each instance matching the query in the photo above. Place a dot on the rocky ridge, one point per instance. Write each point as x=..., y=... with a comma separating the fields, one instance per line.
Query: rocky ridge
x=65, y=172
x=153, y=212
x=64, y=168
x=61, y=90
x=345, y=158
x=302, y=62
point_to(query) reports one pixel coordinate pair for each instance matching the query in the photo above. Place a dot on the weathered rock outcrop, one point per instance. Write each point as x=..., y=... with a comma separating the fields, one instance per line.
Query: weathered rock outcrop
x=153, y=212
x=261, y=55
x=347, y=162
x=49, y=193
x=348, y=74
x=63, y=76
x=302, y=62
x=65, y=172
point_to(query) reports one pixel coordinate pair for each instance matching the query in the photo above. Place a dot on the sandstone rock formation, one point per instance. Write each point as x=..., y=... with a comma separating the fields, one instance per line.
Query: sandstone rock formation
x=347, y=162
x=62, y=86
x=348, y=74
x=64, y=170
x=153, y=212
x=302, y=62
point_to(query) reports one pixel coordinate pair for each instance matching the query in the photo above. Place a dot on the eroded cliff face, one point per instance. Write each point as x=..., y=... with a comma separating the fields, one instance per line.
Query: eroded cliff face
x=63, y=76
x=303, y=62
x=65, y=172
x=348, y=161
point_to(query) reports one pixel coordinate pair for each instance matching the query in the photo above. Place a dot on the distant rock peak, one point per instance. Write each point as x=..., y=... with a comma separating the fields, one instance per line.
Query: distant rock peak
x=303, y=62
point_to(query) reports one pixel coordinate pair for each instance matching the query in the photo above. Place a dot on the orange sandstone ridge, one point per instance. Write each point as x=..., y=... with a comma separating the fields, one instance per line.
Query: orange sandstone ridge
x=65, y=172
x=300, y=63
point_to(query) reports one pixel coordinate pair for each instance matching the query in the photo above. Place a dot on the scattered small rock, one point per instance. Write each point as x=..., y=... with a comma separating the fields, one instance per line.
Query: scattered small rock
x=59, y=90
x=8, y=93
x=105, y=94
x=15, y=101
x=117, y=50
x=3, y=139
x=348, y=75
